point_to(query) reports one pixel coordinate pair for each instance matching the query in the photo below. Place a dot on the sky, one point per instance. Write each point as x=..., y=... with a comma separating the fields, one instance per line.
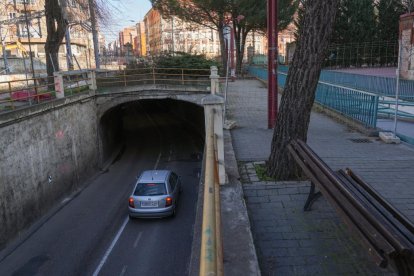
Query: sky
x=124, y=13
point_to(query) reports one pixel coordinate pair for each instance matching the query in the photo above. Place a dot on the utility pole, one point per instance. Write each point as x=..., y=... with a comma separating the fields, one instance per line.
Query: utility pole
x=3, y=47
x=172, y=34
x=94, y=32
x=69, y=61
x=28, y=39
x=272, y=63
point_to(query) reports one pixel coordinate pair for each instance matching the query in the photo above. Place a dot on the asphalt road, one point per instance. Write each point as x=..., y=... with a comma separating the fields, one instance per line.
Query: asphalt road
x=92, y=234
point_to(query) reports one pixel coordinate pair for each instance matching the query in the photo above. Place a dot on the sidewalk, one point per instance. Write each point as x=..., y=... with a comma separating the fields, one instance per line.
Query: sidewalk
x=289, y=241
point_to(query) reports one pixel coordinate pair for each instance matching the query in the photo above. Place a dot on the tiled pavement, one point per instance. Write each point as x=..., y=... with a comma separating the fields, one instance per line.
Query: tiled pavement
x=292, y=242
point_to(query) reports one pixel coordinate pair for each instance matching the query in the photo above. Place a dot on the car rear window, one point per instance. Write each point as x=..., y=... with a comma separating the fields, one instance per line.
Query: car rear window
x=150, y=189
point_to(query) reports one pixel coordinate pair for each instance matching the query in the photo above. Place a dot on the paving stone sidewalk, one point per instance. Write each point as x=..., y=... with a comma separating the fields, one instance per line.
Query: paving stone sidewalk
x=292, y=242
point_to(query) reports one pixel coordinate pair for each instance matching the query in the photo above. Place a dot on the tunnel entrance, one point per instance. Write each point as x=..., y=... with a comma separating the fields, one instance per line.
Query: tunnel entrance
x=141, y=124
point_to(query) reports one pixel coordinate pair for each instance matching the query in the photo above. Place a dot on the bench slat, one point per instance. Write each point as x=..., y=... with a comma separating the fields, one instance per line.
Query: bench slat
x=386, y=232
x=397, y=214
x=377, y=216
x=318, y=177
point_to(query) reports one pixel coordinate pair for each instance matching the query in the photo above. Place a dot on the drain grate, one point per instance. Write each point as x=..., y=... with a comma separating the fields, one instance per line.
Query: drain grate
x=360, y=140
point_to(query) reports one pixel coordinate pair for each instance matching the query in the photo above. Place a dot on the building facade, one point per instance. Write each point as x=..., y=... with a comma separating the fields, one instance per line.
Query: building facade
x=15, y=35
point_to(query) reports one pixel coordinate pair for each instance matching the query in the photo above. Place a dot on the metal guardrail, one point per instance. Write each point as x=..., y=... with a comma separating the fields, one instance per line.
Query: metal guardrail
x=383, y=86
x=356, y=104
x=27, y=92
x=24, y=93
x=154, y=76
x=211, y=255
x=359, y=105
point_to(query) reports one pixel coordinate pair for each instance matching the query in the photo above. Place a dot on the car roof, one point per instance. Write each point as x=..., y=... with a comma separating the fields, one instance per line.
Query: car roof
x=154, y=176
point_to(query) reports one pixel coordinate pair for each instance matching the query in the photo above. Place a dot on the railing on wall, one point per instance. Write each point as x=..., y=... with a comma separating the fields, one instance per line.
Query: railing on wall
x=27, y=92
x=356, y=104
x=182, y=77
x=384, y=86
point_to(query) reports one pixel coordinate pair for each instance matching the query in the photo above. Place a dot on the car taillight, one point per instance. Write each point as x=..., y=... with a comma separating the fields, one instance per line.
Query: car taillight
x=131, y=202
x=168, y=201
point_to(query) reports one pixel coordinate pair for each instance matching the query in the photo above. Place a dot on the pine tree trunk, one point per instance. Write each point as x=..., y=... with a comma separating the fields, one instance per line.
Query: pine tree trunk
x=299, y=93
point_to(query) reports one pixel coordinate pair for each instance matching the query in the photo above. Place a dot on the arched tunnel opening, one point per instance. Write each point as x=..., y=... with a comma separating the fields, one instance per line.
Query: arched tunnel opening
x=166, y=127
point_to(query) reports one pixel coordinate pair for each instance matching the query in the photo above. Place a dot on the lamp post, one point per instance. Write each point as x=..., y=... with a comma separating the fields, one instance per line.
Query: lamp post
x=92, y=6
x=272, y=63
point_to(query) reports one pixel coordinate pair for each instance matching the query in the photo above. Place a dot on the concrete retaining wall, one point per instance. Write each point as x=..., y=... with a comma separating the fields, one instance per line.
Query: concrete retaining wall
x=44, y=155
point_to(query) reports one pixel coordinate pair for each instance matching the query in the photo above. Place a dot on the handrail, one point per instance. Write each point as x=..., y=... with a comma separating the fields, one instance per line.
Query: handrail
x=211, y=256
x=20, y=93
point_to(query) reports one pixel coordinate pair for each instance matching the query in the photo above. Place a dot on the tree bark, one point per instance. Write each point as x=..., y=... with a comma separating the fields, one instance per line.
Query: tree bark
x=299, y=93
x=56, y=28
x=223, y=48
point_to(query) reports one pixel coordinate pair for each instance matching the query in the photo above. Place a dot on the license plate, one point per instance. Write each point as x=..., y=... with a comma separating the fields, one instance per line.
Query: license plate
x=149, y=203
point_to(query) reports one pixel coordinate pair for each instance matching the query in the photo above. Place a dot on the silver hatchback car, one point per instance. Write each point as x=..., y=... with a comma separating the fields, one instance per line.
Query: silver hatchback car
x=155, y=194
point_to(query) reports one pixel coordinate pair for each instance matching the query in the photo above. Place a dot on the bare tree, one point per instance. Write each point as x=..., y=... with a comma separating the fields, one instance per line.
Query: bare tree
x=302, y=79
x=56, y=27
x=57, y=23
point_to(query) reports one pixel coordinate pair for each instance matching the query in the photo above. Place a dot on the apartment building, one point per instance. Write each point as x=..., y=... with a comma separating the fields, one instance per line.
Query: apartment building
x=174, y=35
x=126, y=40
x=141, y=40
x=15, y=35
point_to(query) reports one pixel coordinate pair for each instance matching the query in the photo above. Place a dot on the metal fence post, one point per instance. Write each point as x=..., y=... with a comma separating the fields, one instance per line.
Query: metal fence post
x=153, y=75
x=10, y=94
x=125, y=84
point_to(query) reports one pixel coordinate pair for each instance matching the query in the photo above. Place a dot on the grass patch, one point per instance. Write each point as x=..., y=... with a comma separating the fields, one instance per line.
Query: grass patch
x=261, y=172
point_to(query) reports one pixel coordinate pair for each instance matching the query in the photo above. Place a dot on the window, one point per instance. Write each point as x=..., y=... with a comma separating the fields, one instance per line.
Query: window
x=150, y=189
x=28, y=2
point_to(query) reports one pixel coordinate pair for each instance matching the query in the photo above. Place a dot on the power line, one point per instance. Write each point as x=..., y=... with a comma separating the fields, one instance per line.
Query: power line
x=22, y=18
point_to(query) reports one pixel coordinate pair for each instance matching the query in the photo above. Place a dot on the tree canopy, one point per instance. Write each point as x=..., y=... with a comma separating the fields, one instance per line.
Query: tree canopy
x=244, y=15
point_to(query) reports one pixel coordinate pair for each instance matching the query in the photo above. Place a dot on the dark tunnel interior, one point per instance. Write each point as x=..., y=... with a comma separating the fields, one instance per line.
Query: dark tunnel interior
x=139, y=118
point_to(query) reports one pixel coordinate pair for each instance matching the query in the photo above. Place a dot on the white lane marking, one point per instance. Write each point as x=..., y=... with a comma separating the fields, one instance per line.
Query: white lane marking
x=123, y=270
x=137, y=239
x=108, y=251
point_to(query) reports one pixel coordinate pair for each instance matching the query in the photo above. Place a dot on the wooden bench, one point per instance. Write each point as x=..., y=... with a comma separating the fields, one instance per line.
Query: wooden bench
x=387, y=234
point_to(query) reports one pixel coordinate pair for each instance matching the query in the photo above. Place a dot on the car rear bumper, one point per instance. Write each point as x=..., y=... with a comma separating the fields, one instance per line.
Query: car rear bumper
x=151, y=213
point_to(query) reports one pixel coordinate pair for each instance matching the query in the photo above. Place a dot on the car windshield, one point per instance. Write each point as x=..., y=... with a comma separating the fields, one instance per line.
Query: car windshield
x=150, y=189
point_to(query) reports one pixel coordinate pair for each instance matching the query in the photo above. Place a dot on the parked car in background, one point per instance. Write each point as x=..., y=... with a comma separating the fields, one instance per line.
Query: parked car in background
x=155, y=194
